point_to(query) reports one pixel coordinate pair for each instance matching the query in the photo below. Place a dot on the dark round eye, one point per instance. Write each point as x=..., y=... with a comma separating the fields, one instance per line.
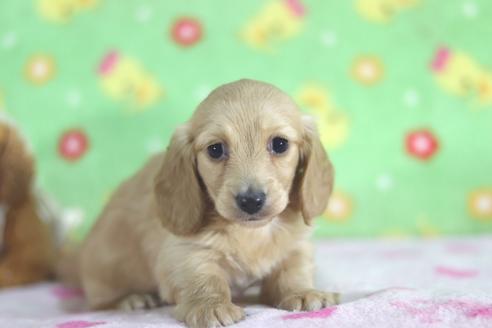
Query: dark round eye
x=279, y=145
x=216, y=151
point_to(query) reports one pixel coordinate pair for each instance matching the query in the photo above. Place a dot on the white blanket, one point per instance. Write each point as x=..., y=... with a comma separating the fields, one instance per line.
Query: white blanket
x=414, y=283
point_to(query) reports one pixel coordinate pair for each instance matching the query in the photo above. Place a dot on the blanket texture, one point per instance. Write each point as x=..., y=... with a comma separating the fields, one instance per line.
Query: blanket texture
x=405, y=283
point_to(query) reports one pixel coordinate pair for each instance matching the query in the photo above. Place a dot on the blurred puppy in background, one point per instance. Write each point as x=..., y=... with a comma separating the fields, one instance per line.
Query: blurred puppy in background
x=228, y=204
x=27, y=248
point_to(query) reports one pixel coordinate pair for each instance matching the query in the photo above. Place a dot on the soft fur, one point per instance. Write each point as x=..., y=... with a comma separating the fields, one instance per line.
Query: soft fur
x=174, y=228
x=27, y=249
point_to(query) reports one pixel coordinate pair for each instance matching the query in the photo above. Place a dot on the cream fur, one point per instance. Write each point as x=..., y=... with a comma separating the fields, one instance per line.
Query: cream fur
x=174, y=228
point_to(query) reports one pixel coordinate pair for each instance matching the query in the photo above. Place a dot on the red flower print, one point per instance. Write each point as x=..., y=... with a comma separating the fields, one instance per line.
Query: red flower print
x=186, y=31
x=421, y=144
x=73, y=144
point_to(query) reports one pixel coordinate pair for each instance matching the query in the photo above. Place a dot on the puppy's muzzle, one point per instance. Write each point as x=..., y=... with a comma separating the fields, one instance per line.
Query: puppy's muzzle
x=250, y=202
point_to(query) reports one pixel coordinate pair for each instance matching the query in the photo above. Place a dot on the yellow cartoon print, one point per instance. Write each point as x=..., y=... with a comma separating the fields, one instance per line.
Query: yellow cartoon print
x=332, y=123
x=62, y=11
x=277, y=22
x=123, y=79
x=461, y=75
x=383, y=11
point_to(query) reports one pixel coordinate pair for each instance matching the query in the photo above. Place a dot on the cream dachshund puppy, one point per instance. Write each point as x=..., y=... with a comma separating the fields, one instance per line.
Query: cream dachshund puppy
x=227, y=205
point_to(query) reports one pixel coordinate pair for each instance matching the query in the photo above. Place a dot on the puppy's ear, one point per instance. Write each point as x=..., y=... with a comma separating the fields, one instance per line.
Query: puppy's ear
x=178, y=193
x=16, y=167
x=314, y=180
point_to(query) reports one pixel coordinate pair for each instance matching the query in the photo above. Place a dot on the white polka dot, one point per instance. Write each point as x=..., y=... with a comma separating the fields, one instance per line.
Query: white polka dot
x=328, y=38
x=411, y=98
x=9, y=40
x=143, y=14
x=202, y=92
x=154, y=145
x=384, y=182
x=73, y=98
x=72, y=217
x=470, y=9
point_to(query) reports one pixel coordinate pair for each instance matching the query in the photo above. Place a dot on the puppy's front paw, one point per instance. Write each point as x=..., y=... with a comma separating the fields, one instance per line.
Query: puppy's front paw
x=139, y=302
x=209, y=314
x=309, y=300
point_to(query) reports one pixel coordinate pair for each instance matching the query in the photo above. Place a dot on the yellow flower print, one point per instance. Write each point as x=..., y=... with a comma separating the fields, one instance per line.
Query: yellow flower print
x=39, y=69
x=367, y=69
x=340, y=207
x=480, y=204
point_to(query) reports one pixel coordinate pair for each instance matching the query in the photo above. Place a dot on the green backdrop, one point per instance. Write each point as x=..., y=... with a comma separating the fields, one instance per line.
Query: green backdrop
x=402, y=90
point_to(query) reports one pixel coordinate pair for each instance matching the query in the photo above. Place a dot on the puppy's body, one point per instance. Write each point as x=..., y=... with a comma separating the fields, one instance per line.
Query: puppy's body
x=175, y=228
x=145, y=253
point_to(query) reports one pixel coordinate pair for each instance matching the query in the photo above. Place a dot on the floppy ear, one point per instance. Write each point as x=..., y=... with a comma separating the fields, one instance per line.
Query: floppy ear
x=314, y=180
x=16, y=167
x=179, y=197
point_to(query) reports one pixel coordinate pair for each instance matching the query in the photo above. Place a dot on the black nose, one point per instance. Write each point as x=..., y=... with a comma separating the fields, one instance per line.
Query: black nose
x=250, y=201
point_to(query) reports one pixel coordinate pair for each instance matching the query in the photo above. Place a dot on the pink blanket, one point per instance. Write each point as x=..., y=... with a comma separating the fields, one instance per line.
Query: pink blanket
x=414, y=283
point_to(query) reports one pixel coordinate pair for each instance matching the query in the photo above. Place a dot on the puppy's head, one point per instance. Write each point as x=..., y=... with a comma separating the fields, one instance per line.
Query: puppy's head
x=16, y=167
x=247, y=154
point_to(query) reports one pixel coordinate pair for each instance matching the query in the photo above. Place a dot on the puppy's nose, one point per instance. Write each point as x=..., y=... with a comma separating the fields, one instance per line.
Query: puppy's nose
x=250, y=201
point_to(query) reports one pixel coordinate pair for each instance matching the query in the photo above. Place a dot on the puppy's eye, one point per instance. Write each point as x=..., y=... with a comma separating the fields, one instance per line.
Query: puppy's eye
x=216, y=151
x=279, y=145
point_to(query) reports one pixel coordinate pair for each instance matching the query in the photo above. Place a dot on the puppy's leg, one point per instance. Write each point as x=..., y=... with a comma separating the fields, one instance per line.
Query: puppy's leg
x=203, y=296
x=139, y=302
x=290, y=286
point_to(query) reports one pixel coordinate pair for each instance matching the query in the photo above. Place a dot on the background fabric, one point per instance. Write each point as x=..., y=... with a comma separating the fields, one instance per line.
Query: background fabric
x=402, y=90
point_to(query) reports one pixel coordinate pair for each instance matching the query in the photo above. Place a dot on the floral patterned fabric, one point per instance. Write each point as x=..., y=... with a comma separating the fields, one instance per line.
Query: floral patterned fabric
x=401, y=89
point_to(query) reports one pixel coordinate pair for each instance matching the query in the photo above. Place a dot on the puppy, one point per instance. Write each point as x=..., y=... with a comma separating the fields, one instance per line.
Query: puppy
x=27, y=249
x=228, y=204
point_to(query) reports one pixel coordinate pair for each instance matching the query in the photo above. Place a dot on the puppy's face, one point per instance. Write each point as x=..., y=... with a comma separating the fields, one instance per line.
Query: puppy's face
x=247, y=152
